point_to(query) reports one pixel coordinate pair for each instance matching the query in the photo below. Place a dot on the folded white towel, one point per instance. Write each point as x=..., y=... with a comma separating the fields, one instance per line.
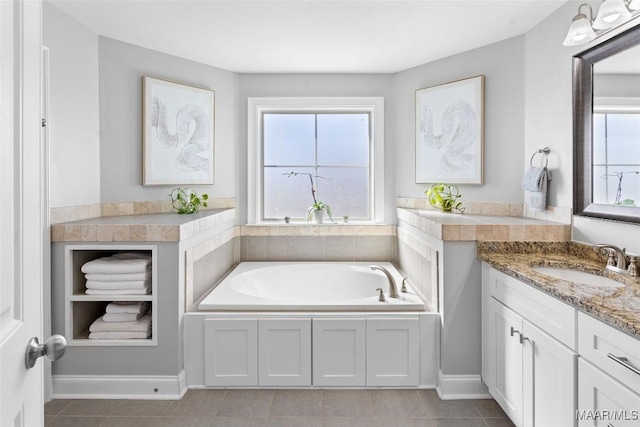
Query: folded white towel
x=122, y=317
x=118, y=277
x=143, y=291
x=119, y=335
x=141, y=325
x=134, y=307
x=133, y=284
x=119, y=263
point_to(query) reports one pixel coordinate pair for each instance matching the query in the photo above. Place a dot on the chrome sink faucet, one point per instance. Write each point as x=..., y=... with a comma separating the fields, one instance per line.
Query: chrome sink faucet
x=618, y=260
x=393, y=289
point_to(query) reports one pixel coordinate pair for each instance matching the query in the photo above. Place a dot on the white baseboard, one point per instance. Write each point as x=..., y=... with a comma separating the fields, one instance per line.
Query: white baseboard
x=148, y=387
x=452, y=387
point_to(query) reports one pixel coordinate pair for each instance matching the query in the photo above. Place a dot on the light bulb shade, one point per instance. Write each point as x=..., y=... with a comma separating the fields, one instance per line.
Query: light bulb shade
x=634, y=5
x=611, y=14
x=580, y=32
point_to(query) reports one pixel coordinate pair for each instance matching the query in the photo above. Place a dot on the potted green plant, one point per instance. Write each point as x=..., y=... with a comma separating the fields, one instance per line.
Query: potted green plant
x=316, y=211
x=187, y=201
x=445, y=197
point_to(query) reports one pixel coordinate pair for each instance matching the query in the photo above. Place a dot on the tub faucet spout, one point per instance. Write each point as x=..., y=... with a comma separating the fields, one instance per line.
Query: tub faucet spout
x=393, y=289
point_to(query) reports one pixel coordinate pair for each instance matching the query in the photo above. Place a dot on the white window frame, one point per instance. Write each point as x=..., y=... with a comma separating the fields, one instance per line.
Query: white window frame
x=614, y=105
x=374, y=106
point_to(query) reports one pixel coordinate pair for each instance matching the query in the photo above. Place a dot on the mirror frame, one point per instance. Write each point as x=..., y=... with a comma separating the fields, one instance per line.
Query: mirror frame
x=582, y=129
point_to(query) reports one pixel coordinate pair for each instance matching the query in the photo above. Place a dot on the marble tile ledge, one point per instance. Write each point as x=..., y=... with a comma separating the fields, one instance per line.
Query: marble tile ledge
x=618, y=307
x=473, y=227
x=157, y=227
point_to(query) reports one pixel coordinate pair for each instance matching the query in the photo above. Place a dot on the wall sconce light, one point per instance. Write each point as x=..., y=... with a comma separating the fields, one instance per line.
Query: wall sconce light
x=611, y=14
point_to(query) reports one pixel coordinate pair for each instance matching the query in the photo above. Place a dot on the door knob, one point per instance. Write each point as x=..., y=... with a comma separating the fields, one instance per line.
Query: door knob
x=54, y=348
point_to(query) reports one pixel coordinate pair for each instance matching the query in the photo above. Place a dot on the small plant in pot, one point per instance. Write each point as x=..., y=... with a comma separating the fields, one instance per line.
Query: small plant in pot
x=187, y=201
x=445, y=197
x=316, y=211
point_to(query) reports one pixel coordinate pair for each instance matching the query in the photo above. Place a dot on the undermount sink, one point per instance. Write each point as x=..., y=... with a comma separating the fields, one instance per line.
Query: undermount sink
x=577, y=276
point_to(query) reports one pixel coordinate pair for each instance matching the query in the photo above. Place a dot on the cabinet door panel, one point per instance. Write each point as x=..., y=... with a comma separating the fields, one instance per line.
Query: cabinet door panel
x=231, y=352
x=508, y=360
x=339, y=352
x=603, y=401
x=284, y=355
x=549, y=392
x=393, y=352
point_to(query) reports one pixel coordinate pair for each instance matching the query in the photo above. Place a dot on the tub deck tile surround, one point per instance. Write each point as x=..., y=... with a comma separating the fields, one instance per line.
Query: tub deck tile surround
x=618, y=307
x=477, y=227
x=148, y=227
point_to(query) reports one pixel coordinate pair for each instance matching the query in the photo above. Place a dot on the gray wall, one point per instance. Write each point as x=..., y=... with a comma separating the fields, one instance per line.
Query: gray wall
x=503, y=67
x=122, y=66
x=74, y=126
x=317, y=85
x=548, y=121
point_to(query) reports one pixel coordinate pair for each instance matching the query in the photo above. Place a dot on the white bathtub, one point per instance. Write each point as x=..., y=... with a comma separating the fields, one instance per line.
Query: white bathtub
x=308, y=286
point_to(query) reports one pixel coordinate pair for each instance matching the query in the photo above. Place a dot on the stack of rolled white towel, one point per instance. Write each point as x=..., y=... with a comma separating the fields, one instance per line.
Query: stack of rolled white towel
x=123, y=320
x=127, y=273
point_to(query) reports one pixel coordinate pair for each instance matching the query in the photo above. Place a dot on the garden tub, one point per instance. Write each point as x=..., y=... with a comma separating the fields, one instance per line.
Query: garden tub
x=309, y=286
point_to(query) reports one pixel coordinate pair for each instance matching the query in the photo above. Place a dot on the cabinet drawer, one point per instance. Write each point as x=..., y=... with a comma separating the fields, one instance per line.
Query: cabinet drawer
x=603, y=401
x=553, y=316
x=599, y=343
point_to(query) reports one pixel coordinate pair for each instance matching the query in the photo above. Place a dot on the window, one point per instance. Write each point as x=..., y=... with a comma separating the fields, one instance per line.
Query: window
x=333, y=140
x=616, y=154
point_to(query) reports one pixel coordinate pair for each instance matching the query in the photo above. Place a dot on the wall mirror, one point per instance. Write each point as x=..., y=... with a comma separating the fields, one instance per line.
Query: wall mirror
x=606, y=129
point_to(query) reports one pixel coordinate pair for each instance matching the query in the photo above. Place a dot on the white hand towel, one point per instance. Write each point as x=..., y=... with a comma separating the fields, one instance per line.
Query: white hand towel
x=133, y=284
x=122, y=317
x=134, y=307
x=534, y=178
x=119, y=335
x=141, y=325
x=143, y=291
x=118, y=277
x=119, y=263
x=534, y=183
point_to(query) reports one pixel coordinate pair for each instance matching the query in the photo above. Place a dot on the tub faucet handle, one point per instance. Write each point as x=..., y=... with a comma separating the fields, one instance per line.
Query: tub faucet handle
x=404, y=285
x=633, y=266
x=381, y=295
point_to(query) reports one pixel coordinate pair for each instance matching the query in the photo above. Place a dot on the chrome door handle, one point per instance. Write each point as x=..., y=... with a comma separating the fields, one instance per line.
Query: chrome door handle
x=54, y=348
x=624, y=362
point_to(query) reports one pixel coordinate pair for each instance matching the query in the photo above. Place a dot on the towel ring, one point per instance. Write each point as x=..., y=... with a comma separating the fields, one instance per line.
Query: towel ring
x=545, y=151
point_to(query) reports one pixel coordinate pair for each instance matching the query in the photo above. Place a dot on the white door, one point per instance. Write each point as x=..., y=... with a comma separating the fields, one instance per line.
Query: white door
x=231, y=352
x=550, y=378
x=284, y=352
x=506, y=327
x=339, y=352
x=21, y=225
x=393, y=352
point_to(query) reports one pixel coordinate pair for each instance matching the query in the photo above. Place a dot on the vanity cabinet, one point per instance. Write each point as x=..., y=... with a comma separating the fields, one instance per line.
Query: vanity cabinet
x=280, y=352
x=530, y=372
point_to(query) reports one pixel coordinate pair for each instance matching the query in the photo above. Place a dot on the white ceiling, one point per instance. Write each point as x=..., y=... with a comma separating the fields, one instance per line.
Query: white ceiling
x=303, y=36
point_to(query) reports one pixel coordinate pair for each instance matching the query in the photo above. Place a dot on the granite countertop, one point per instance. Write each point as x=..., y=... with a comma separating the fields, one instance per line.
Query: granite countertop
x=161, y=227
x=618, y=307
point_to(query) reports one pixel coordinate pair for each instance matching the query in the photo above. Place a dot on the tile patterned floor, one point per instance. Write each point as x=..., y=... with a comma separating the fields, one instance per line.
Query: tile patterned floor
x=281, y=408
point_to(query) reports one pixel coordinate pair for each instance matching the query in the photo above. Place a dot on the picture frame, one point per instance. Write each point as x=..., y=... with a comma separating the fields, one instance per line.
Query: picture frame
x=177, y=133
x=450, y=132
